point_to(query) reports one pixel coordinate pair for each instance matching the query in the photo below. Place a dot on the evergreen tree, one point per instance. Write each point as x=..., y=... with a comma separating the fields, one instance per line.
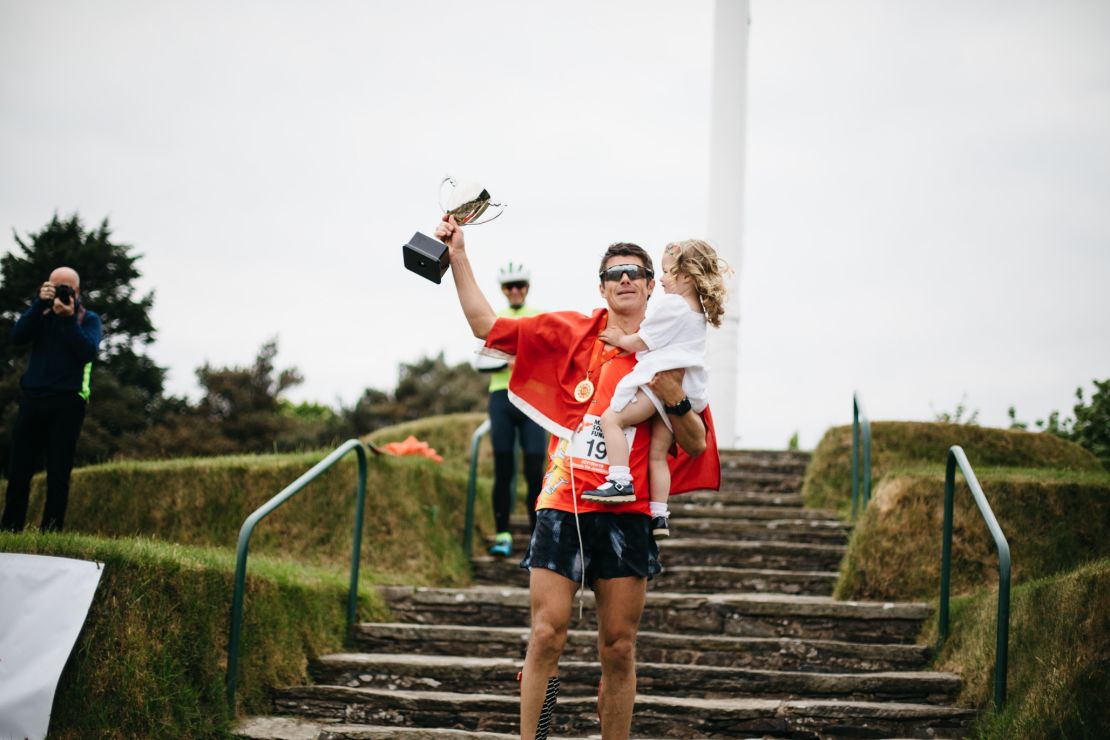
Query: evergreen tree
x=126, y=383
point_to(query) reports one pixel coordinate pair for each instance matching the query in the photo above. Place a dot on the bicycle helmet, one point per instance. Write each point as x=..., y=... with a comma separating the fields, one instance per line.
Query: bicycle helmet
x=513, y=272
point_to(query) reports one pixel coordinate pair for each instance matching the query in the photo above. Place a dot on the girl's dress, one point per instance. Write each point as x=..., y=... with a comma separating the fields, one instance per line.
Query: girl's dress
x=675, y=336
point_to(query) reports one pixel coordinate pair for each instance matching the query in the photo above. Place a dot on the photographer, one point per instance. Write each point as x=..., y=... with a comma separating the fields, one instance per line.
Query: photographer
x=64, y=338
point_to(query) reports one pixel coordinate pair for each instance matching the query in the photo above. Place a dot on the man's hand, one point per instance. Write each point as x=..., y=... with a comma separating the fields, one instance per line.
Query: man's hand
x=450, y=233
x=611, y=335
x=46, y=292
x=667, y=385
x=64, y=309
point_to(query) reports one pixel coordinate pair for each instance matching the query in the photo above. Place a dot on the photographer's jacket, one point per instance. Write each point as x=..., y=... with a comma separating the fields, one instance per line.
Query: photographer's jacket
x=62, y=349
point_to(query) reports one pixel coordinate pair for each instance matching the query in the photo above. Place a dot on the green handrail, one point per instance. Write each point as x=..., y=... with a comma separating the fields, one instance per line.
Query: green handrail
x=472, y=487
x=859, y=419
x=261, y=513
x=956, y=456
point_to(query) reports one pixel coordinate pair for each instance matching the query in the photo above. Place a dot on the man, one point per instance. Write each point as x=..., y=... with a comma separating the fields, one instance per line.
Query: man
x=508, y=423
x=64, y=338
x=563, y=379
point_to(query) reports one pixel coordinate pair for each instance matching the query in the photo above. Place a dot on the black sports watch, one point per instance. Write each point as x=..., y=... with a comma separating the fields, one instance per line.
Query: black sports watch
x=680, y=408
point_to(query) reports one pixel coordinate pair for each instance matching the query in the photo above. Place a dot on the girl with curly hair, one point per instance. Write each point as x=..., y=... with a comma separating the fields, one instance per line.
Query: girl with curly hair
x=671, y=336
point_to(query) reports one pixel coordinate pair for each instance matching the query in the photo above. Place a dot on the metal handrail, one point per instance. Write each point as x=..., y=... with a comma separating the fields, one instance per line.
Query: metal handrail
x=472, y=486
x=956, y=456
x=261, y=513
x=859, y=418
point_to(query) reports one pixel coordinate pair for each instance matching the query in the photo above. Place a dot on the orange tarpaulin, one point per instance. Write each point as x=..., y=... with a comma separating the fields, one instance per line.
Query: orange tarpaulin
x=412, y=446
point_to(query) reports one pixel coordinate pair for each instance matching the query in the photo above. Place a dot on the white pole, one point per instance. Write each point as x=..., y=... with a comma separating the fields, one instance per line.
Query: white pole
x=726, y=202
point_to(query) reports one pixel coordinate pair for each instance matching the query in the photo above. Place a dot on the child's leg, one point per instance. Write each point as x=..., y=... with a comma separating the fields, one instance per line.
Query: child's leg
x=613, y=423
x=660, y=488
x=618, y=489
x=661, y=441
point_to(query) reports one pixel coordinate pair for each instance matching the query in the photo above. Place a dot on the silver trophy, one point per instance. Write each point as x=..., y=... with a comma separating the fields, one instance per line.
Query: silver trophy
x=471, y=205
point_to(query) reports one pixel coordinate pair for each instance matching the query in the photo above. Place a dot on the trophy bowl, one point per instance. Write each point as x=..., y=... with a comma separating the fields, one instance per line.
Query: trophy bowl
x=470, y=204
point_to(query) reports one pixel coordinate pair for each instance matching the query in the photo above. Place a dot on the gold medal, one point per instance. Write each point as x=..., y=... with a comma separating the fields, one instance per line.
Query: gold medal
x=583, y=390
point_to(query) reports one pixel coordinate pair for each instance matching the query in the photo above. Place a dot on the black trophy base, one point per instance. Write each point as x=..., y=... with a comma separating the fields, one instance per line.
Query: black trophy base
x=426, y=257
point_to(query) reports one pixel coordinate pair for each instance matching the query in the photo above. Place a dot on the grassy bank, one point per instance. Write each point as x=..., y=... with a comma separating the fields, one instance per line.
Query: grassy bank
x=415, y=509
x=901, y=444
x=1053, y=520
x=448, y=434
x=151, y=658
x=1059, y=666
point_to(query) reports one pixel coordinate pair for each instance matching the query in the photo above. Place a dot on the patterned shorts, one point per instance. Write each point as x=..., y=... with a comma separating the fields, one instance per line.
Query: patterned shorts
x=616, y=545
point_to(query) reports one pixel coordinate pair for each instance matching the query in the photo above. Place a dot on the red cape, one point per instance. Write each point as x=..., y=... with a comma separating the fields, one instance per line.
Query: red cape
x=552, y=354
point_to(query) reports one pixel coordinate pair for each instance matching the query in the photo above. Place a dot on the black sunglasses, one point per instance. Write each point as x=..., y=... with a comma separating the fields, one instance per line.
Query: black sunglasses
x=520, y=285
x=616, y=272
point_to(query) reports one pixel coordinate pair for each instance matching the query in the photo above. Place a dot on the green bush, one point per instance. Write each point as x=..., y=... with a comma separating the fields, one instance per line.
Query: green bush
x=151, y=658
x=1058, y=668
x=1053, y=521
x=898, y=444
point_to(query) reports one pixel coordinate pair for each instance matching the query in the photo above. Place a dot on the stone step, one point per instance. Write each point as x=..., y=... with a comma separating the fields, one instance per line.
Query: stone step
x=655, y=716
x=498, y=675
x=719, y=510
x=719, y=579
x=767, y=482
x=749, y=615
x=295, y=728
x=740, y=498
x=770, y=457
x=783, y=466
x=816, y=531
x=764, y=555
x=699, y=579
x=781, y=653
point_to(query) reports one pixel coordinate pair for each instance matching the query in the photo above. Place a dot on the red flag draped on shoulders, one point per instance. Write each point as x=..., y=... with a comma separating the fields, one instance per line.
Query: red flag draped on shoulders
x=552, y=353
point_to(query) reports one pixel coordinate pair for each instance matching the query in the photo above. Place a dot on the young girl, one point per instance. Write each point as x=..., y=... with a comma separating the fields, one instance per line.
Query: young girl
x=671, y=336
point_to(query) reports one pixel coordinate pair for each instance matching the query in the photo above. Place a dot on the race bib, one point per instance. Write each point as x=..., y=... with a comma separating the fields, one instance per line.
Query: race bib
x=587, y=446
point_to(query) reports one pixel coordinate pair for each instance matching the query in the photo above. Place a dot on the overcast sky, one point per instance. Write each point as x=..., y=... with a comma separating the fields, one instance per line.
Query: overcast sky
x=928, y=185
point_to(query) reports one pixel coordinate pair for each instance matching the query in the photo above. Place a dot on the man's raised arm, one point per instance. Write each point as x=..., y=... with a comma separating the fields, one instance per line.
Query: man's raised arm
x=479, y=314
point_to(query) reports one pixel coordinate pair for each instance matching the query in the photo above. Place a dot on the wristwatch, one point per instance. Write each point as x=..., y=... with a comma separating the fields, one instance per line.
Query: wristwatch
x=679, y=408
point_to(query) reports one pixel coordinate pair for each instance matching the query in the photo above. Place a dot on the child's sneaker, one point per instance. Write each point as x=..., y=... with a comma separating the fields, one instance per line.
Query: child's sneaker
x=611, y=493
x=660, y=527
x=502, y=546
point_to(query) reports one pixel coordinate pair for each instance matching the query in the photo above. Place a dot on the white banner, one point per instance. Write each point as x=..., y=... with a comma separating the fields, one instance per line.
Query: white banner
x=43, y=603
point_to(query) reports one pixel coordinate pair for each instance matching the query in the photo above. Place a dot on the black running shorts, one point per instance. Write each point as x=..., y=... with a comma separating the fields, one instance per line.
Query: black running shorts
x=616, y=545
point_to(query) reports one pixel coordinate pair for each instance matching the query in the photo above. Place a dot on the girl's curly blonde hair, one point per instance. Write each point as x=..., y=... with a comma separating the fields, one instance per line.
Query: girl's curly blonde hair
x=697, y=259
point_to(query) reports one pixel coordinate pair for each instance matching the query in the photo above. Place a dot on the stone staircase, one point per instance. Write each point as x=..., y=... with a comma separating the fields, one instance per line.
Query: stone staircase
x=740, y=638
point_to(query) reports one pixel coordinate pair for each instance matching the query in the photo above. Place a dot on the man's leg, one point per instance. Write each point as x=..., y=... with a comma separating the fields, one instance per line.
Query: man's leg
x=26, y=441
x=533, y=442
x=552, y=597
x=502, y=437
x=67, y=416
x=620, y=602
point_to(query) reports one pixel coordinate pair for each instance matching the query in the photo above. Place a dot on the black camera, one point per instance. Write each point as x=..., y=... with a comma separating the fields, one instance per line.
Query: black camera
x=63, y=293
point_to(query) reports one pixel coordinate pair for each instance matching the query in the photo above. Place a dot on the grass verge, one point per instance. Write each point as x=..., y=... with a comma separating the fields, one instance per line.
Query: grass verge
x=151, y=658
x=415, y=509
x=1059, y=656
x=901, y=444
x=1053, y=521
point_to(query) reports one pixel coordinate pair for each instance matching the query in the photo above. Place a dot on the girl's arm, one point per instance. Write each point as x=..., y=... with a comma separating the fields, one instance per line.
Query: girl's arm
x=612, y=336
